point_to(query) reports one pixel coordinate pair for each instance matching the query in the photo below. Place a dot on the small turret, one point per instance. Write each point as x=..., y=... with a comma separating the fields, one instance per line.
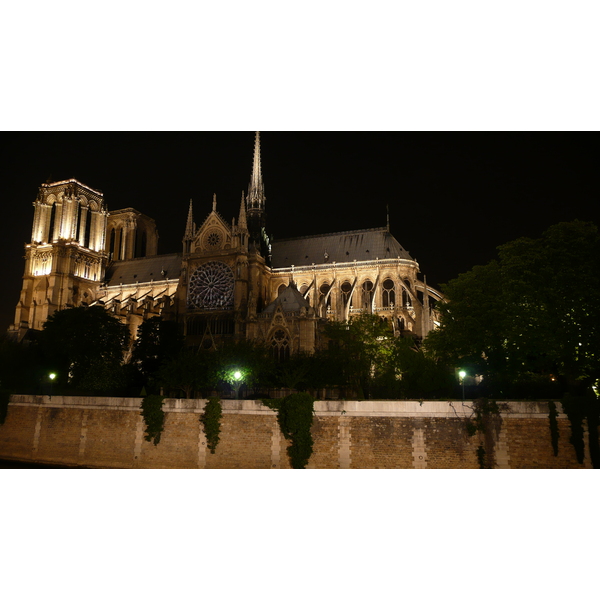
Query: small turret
x=242, y=222
x=190, y=231
x=242, y=227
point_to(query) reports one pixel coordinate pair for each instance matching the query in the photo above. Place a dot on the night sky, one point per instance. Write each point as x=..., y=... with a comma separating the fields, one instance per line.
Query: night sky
x=453, y=198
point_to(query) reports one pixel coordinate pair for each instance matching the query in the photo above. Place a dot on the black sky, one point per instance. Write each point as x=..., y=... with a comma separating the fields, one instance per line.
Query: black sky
x=453, y=198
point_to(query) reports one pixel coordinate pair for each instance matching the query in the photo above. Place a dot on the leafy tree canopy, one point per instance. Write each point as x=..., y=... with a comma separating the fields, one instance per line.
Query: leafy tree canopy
x=365, y=355
x=190, y=371
x=85, y=346
x=158, y=341
x=531, y=312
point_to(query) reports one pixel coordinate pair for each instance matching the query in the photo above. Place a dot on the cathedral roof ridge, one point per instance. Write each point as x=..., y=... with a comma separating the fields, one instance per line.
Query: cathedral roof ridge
x=153, y=257
x=144, y=269
x=340, y=247
x=320, y=235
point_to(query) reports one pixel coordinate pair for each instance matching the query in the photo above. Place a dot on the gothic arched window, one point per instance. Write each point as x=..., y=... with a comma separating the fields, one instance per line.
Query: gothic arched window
x=280, y=345
x=346, y=290
x=388, y=293
x=324, y=292
x=367, y=288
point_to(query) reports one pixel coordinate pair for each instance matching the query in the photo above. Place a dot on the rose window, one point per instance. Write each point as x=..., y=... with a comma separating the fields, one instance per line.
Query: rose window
x=213, y=239
x=211, y=286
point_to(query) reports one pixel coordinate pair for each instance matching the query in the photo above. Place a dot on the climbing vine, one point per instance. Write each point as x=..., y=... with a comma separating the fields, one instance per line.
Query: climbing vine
x=554, y=433
x=295, y=417
x=154, y=417
x=211, y=421
x=575, y=411
x=481, y=456
x=4, y=400
x=487, y=421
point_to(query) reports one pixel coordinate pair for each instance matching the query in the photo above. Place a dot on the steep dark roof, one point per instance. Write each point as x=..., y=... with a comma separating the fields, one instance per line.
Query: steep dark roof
x=346, y=246
x=144, y=269
x=290, y=300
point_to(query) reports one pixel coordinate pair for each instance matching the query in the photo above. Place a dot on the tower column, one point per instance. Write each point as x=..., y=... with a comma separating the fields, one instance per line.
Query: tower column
x=46, y=220
x=82, y=225
x=36, y=231
x=74, y=216
x=58, y=208
x=103, y=226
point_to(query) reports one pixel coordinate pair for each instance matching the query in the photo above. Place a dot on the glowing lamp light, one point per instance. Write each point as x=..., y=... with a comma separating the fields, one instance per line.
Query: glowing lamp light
x=52, y=376
x=462, y=374
x=237, y=375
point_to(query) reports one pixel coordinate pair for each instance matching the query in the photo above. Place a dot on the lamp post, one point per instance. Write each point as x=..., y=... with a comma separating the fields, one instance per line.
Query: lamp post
x=237, y=382
x=52, y=377
x=462, y=374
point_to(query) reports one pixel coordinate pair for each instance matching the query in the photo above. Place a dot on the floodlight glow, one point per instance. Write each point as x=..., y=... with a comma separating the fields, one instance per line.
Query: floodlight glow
x=237, y=375
x=52, y=376
x=462, y=374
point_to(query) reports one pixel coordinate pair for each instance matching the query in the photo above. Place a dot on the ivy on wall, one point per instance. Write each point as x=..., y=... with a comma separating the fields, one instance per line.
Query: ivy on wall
x=481, y=456
x=154, y=417
x=211, y=421
x=487, y=421
x=295, y=417
x=554, y=433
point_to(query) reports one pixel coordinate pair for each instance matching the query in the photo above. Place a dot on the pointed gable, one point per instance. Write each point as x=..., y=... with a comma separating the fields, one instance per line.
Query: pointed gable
x=213, y=234
x=290, y=300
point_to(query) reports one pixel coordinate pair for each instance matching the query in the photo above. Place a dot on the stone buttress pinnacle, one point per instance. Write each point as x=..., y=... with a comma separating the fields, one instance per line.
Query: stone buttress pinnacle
x=242, y=223
x=189, y=227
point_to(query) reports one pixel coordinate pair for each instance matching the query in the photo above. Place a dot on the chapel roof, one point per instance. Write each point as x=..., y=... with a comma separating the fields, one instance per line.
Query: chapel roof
x=345, y=246
x=290, y=300
x=144, y=270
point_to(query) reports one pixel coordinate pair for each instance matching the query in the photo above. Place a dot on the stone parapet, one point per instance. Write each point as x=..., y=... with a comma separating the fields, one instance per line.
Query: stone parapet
x=109, y=433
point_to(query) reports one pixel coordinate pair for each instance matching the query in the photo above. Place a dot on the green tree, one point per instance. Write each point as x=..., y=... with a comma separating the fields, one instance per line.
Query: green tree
x=532, y=311
x=252, y=359
x=532, y=315
x=85, y=346
x=190, y=371
x=157, y=342
x=358, y=349
x=411, y=373
x=302, y=371
x=14, y=359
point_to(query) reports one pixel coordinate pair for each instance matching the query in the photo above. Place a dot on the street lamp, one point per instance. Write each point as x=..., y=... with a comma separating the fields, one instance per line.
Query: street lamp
x=52, y=377
x=237, y=382
x=462, y=374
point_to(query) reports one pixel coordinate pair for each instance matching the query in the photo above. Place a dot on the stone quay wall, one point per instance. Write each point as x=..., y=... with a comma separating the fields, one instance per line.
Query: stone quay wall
x=384, y=434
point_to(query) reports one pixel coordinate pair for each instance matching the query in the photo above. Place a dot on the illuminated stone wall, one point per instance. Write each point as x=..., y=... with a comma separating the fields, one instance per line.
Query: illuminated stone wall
x=109, y=432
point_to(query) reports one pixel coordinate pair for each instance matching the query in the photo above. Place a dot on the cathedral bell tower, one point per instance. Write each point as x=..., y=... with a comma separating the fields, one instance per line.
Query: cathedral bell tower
x=66, y=259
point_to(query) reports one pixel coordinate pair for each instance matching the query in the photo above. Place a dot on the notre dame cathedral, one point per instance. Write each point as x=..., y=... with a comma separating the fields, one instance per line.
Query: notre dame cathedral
x=230, y=280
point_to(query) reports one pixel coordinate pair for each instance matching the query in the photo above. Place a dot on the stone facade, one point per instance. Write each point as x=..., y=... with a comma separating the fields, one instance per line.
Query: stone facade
x=230, y=280
x=109, y=433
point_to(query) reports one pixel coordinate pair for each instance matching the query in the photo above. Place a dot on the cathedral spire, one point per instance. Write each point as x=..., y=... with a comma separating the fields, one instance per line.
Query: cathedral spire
x=256, y=189
x=255, y=205
x=189, y=226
